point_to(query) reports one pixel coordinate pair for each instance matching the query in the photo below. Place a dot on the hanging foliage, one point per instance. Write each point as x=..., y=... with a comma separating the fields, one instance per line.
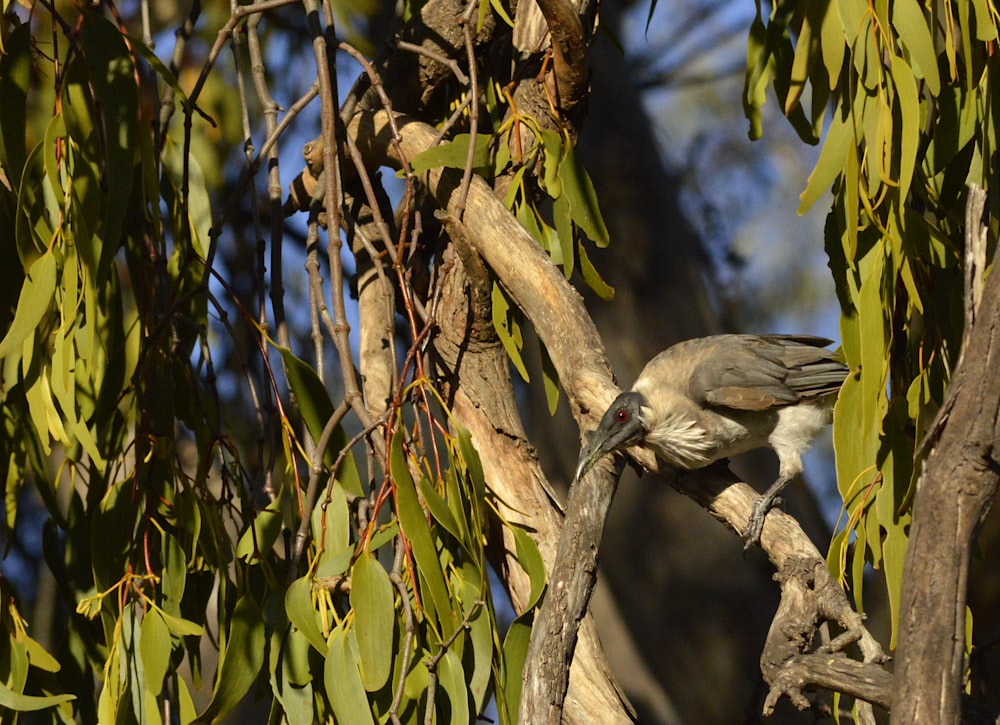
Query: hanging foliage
x=906, y=93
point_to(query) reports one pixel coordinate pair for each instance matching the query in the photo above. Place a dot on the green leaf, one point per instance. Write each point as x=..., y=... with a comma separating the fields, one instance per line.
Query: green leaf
x=418, y=533
x=579, y=191
x=173, y=575
x=310, y=394
x=19, y=702
x=37, y=655
x=531, y=561
x=592, y=277
x=914, y=33
x=986, y=28
x=257, y=541
x=909, y=116
x=550, y=379
x=454, y=155
x=155, y=647
x=508, y=329
x=295, y=658
x=757, y=76
x=32, y=304
x=474, y=591
x=302, y=613
x=438, y=507
x=374, y=617
x=564, y=233
x=515, y=650
x=472, y=463
x=833, y=44
x=344, y=688
x=241, y=660
x=182, y=627
x=830, y=163
x=316, y=408
x=452, y=678
x=331, y=527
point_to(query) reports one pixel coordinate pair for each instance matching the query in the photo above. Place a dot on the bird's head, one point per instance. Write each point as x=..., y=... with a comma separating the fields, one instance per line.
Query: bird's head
x=620, y=426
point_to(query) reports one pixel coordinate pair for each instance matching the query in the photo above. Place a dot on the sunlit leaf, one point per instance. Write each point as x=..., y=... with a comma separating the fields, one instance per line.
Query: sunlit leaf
x=452, y=678
x=531, y=561
x=155, y=648
x=909, y=21
x=302, y=613
x=454, y=154
x=416, y=530
x=592, y=277
x=259, y=538
x=508, y=330
x=374, y=617
x=343, y=681
x=32, y=304
x=19, y=702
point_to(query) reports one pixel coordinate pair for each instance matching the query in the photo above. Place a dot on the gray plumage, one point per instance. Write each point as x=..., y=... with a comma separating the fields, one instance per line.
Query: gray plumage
x=711, y=398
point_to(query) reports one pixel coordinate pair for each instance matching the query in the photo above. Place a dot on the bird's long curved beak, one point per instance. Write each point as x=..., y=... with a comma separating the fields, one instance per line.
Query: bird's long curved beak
x=590, y=454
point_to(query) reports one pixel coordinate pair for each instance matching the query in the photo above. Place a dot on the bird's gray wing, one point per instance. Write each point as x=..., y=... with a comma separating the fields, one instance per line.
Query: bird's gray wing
x=749, y=372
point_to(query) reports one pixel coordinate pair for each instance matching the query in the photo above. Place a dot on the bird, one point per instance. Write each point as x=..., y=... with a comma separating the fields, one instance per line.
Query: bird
x=711, y=398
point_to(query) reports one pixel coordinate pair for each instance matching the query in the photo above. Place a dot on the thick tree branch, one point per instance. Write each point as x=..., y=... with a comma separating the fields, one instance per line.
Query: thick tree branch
x=569, y=52
x=957, y=486
x=570, y=585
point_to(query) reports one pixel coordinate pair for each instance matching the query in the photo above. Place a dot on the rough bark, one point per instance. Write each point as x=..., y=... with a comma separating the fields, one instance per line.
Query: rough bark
x=571, y=583
x=959, y=480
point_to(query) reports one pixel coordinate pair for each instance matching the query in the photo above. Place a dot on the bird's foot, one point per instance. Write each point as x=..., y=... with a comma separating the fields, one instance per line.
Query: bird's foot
x=761, y=507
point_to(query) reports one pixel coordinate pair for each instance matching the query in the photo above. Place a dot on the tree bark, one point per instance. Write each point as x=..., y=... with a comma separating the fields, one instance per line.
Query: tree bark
x=958, y=483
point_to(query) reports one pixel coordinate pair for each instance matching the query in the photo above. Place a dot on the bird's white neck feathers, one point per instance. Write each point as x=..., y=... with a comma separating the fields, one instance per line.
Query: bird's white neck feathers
x=677, y=439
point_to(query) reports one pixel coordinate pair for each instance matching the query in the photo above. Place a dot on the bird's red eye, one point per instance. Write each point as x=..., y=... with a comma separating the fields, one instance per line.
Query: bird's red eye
x=622, y=416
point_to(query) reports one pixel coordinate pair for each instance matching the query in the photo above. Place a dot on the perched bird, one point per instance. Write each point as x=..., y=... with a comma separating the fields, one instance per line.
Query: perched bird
x=710, y=398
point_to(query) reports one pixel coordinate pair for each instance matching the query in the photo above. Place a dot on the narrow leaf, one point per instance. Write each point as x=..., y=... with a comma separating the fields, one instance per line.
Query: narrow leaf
x=416, y=530
x=579, y=191
x=914, y=33
x=155, y=648
x=32, y=303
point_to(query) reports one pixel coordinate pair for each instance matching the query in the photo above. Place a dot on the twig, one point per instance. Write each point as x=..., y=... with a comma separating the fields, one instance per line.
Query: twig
x=470, y=53
x=449, y=63
x=432, y=663
x=408, y=629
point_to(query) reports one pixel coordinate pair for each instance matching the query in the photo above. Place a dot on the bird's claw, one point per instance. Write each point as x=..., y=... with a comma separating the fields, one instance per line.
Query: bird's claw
x=755, y=525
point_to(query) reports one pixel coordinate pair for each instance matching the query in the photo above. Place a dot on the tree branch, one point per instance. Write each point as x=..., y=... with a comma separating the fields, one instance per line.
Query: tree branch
x=569, y=52
x=960, y=478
